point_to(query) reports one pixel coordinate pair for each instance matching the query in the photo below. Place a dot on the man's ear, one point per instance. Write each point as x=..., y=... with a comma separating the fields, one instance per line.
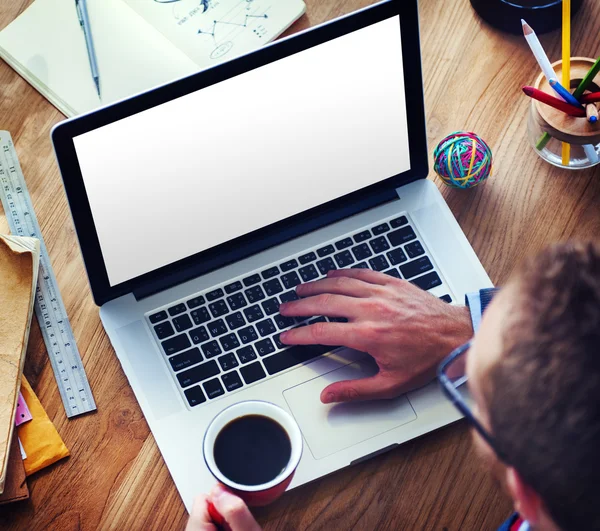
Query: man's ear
x=527, y=502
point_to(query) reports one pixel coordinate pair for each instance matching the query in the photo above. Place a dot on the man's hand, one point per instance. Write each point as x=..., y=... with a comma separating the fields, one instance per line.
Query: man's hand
x=407, y=330
x=233, y=510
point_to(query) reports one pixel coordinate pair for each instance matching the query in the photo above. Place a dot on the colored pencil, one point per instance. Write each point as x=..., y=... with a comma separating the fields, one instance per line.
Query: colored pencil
x=591, y=154
x=592, y=97
x=589, y=77
x=566, y=70
x=564, y=93
x=546, y=98
x=538, y=51
x=591, y=112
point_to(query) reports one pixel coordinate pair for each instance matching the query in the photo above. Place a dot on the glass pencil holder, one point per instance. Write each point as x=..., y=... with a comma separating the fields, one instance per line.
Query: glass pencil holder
x=550, y=130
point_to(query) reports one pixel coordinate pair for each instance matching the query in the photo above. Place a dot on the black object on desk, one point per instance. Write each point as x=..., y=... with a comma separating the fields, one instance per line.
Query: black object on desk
x=542, y=15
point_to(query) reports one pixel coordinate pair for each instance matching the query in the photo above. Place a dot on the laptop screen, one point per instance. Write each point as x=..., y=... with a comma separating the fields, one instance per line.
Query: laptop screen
x=247, y=152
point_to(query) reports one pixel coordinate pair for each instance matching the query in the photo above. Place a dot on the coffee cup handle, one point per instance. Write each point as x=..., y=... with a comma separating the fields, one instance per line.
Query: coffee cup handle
x=217, y=518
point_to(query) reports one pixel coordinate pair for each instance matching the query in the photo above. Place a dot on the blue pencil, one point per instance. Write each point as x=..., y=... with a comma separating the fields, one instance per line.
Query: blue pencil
x=564, y=93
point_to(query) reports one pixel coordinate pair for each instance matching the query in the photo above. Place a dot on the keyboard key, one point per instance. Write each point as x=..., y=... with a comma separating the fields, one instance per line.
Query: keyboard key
x=283, y=322
x=344, y=259
x=229, y=342
x=213, y=388
x=195, y=302
x=308, y=273
x=265, y=327
x=214, y=294
x=200, y=315
x=236, y=301
x=324, y=251
x=393, y=273
x=196, y=374
x=235, y=320
x=414, y=249
x=183, y=322
x=185, y=359
x=360, y=265
x=271, y=306
x=272, y=287
x=290, y=264
x=177, y=309
x=288, y=296
x=264, y=347
x=293, y=356
x=194, y=396
x=216, y=328
x=290, y=280
x=163, y=330
x=232, y=288
x=232, y=381
x=199, y=335
x=326, y=265
x=246, y=354
x=398, y=222
x=416, y=267
x=248, y=334
x=379, y=263
x=228, y=361
x=211, y=349
x=380, y=229
x=379, y=244
x=317, y=320
x=362, y=236
x=306, y=258
x=255, y=294
x=251, y=280
x=175, y=344
x=253, y=372
x=446, y=298
x=400, y=236
x=271, y=272
x=397, y=256
x=362, y=251
x=218, y=308
x=159, y=316
x=428, y=281
x=253, y=313
x=277, y=339
x=343, y=244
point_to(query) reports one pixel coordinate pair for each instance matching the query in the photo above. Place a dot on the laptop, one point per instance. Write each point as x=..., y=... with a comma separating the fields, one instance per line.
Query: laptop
x=200, y=205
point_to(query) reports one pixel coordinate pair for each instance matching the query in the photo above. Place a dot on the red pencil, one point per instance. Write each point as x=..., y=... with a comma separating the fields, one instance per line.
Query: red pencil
x=590, y=98
x=546, y=98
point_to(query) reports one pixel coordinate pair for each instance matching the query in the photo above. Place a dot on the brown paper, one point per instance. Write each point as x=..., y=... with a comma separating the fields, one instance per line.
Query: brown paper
x=15, y=488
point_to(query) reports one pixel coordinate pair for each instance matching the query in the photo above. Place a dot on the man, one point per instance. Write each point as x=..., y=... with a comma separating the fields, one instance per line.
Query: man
x=533, y=372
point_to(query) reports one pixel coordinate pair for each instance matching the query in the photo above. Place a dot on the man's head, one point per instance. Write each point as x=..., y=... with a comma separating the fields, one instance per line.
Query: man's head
x=534, y=373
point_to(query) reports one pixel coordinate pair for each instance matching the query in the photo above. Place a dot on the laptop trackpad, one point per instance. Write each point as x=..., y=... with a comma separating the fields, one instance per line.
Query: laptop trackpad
x=329, y=428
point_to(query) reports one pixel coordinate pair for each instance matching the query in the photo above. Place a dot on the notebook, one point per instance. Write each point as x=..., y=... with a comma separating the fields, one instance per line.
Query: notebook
x=139, y=44
x=19, y=261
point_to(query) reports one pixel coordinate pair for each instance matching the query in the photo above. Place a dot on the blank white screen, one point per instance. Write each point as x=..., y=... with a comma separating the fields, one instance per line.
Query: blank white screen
x=242, y=154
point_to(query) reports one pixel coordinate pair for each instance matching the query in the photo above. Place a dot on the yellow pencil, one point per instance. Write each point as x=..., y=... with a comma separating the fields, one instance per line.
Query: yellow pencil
x=566, y=65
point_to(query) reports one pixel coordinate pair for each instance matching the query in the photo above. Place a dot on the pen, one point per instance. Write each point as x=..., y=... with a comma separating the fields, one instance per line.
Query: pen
x=538, y=51
x=554, y=102
x=564, y=93
x=591, y=113
x=84, y=20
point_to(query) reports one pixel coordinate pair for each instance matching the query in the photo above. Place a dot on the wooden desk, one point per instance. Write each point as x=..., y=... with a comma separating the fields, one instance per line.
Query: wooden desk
x=116, y=477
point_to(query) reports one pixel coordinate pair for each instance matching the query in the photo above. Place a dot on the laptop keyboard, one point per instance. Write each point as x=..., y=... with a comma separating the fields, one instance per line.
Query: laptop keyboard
x=227, y=337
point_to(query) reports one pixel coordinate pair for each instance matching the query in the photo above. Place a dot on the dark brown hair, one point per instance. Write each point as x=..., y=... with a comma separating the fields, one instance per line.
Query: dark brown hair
x=544, y=403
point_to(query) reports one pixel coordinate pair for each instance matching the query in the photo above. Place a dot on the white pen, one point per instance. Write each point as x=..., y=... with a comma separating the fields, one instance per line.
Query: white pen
x=84, y=20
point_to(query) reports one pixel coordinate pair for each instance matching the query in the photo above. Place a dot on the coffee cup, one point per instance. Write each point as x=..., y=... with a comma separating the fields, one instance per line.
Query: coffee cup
x=253, y=448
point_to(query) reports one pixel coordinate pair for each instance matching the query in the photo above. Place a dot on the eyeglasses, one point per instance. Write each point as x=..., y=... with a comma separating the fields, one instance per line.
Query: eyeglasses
x=453, y=378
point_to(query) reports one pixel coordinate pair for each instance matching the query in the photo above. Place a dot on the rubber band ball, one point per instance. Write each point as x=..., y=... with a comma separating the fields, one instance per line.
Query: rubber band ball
x=463, y=160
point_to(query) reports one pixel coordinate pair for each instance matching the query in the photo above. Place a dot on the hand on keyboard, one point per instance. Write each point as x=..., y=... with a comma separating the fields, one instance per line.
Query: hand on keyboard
x=407, y=330
x=233, y=510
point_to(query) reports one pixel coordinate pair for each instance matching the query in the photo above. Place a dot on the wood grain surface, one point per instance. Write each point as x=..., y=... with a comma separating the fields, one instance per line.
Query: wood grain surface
x=116, y=478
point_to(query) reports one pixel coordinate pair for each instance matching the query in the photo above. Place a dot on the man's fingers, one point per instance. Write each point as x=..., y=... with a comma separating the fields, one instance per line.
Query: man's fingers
x=366, y=275
x=324, y=304
x=333, y=334
x=233, y=510
x=199, y=519
x=341, y=285
x=374, y=387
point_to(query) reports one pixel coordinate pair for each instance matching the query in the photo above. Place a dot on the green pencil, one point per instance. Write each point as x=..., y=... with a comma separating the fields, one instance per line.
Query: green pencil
x=589, y=77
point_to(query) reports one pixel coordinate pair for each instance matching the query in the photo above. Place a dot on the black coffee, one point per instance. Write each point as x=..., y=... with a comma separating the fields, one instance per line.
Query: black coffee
x=252, y=450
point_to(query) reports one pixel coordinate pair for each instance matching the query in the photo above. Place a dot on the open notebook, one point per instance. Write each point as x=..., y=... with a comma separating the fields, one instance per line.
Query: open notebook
x=139, y=44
